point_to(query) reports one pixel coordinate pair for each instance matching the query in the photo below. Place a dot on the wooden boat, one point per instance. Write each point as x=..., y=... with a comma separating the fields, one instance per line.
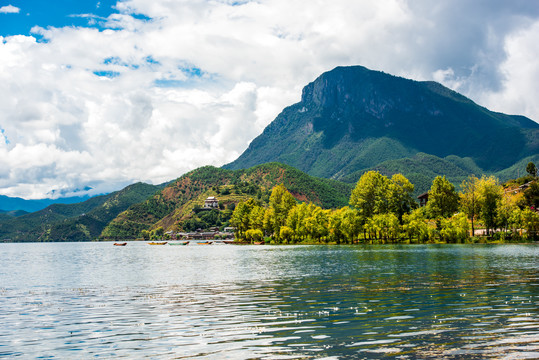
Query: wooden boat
x=180, y=243
x=120, y=244
x=157, y=243
x=204, y=243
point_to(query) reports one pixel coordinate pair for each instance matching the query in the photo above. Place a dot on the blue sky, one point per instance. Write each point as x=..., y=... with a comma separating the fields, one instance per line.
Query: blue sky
x=56, y=13
x=100, y=94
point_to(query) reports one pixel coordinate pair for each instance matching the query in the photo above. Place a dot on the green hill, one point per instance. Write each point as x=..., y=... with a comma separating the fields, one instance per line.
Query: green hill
x=74, y=222
x=176, y=203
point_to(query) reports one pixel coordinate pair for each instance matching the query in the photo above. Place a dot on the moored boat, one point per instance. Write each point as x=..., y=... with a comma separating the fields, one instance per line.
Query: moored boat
x=158, y=243
x=120, y=244
x=179, y=243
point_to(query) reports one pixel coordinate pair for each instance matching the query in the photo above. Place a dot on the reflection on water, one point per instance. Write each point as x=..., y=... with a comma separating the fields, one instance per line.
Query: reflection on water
x=247, y=302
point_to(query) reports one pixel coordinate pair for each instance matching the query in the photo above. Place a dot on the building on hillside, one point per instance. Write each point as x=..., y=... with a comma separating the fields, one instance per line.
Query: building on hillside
x=211, y=203
x=423, y=199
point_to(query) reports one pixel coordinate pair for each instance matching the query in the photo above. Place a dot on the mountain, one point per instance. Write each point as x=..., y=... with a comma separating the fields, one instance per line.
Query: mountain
x=14, y=203
x=176, y=203
x=82, y=221
x=8, y=215
x=353, y=119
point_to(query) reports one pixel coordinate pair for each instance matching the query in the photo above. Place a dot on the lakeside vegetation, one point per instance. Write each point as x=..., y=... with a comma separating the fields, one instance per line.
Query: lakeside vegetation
x=175, y=207
x=382, y=210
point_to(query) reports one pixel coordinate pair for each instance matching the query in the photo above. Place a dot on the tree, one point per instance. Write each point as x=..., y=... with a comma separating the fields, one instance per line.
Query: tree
x=531, y=169
x=145, y=234
x=468, y=198
x=317, y=222
x=335, y=228
x=400, y=199
x=455, y=229
x=443, y=200
x=516, y=222
x=281, y=202
x=530, y=221
x=241, y=217
x=489, y=196
x=371, y=194
x=531, y=194
x=506, y=207
x=296, y=220
x=351, y=224
x=415, y=225
x=256, y=218
x=384, y=226
x=286, y=234
x=157, y=233
x=254, y=235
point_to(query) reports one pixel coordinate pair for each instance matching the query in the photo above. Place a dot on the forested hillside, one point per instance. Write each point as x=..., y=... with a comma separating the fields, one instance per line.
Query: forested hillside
x=74, y=222
x=175, y=204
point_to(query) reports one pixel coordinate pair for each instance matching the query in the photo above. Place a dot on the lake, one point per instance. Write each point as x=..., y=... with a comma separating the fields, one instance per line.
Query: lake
x=88, y=300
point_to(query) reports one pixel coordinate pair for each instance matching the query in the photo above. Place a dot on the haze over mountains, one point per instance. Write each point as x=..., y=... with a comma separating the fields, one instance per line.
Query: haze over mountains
x=352, y=119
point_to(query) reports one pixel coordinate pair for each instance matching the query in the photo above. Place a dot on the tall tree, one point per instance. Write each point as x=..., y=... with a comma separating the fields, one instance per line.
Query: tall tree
x=489, y=195
x=531, y=169
x=371, y=194
x=335, y=228
x=468, y=198
x=506, y=207
x=281, y=202
x=400, y=199
x=531, y=194
x=296, y=220
x=241, y=217
x=443, y=200
x=351, y=223
x=415, y=225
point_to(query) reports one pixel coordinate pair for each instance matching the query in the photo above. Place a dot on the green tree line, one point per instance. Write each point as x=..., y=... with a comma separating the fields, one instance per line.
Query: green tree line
x=382, y=210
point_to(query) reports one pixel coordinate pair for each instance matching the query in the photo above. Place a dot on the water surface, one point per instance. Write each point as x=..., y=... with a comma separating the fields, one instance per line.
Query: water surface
x=85, y=300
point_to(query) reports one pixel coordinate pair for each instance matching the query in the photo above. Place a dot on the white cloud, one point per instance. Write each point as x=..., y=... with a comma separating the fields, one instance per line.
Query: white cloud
x=518, y=94
x=147, y=100
x=9, y=9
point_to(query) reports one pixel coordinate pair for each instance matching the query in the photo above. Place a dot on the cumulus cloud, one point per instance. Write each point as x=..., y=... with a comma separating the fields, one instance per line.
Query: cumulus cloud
x=9, y=9
x=518, y=93
x=161, y=87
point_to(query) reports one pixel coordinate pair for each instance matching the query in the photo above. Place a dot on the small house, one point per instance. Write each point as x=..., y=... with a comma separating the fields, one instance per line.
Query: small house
x=423, y=199
x=211, y=203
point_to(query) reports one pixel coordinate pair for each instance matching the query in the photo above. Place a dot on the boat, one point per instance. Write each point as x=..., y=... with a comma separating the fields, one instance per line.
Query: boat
x=120, y=244
x=157, y=243
x=204, y=243
x=180, y=243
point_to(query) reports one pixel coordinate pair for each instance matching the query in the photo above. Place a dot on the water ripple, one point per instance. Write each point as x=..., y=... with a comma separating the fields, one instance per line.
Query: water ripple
x=273, y=303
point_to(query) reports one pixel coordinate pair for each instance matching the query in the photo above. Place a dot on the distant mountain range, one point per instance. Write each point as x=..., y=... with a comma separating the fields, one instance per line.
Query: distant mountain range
x=353, y=119
x=83, y=221
x=14, y=203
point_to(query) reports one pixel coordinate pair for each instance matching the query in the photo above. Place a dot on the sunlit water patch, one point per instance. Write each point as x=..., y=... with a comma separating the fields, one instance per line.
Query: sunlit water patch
x=247, y=302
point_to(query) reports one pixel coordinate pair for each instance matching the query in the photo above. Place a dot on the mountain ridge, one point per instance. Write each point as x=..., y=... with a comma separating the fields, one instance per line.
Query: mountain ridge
x=351, y=119
x=8, y=203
